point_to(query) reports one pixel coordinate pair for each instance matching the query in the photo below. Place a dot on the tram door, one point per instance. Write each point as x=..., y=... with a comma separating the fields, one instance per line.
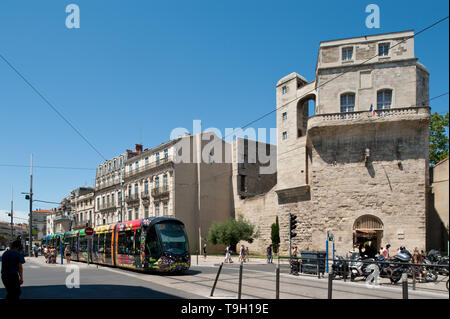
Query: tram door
x=108, y=250
x=137, y=247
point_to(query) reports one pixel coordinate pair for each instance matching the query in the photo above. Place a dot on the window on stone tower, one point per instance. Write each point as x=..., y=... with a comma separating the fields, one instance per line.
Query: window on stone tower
x=347, y=102
x=347, y=54
x=284, y=116
x=284, y=89
x=284, y=135
x=383, y=49
x=384, y=99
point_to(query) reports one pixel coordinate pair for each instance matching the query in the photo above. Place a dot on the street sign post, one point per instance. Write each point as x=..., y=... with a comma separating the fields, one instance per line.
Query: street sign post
x=89, y=231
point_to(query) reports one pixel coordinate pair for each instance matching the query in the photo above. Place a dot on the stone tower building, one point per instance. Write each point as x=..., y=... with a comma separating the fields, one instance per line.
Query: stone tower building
x=352, y=151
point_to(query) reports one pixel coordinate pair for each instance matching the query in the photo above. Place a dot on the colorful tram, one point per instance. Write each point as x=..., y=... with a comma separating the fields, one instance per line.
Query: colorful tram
x=149, y=244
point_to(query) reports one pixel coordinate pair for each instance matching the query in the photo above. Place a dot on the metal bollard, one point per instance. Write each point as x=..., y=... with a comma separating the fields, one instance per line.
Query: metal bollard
x=197, y=258
x=240, y=281
x=318, y=269
x=277, y=294
x=405, y=285
x=215, y=281
x=330, y=284
x=414, y=280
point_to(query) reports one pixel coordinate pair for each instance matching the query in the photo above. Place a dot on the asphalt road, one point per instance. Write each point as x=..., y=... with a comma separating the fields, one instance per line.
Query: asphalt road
x=259, y=282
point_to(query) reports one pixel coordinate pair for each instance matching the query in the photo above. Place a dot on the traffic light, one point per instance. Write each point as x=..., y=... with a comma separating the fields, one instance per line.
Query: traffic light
x=292, y=225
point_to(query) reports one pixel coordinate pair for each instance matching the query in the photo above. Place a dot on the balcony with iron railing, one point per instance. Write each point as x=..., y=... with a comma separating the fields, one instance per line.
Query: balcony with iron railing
x=160, y=191
x=132, y=197
x=365, y=117
x=148, y=166
x=145, y=194
x=105, y=206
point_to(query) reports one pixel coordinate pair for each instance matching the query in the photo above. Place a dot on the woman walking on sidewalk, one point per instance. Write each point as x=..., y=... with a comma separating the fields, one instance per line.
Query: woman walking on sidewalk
x=68, y=253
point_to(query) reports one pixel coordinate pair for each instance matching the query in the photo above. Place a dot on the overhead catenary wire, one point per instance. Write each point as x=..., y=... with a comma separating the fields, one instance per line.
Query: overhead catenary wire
x=51, y=106
x=48, y=167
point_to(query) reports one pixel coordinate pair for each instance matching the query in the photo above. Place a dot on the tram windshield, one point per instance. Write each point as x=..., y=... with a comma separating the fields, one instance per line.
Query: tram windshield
x=173, y=238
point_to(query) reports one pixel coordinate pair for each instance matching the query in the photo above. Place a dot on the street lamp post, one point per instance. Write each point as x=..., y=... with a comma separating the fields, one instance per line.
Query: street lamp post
x=30, y=240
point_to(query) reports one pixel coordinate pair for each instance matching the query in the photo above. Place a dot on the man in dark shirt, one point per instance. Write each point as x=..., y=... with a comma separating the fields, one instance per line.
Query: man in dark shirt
x=12, y=272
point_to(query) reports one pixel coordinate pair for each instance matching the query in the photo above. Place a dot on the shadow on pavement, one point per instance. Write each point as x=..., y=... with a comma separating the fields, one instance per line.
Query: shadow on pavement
x=90, y=292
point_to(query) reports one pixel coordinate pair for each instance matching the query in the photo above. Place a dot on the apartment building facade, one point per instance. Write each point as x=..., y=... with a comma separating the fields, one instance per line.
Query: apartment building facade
x=108, y=189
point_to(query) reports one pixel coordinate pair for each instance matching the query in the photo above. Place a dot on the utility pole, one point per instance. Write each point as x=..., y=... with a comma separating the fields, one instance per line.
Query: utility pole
x=12, y=214
x=31, y=208
x=121, y=196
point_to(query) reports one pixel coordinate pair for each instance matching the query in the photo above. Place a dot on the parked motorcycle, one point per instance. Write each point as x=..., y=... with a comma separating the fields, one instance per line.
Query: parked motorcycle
x=399, y=265
x=384, y=266
x=358, y=266
x=429, y=272
x=340, y=267
x=443, y=270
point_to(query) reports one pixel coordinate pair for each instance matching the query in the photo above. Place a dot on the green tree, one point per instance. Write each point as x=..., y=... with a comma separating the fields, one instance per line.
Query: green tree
x=438, y=137
x=231, y=232
x=275, y=236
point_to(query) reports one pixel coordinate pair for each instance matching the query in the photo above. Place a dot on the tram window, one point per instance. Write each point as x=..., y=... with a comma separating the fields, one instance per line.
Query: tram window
x=125, y=242
x=108, y=243
x=95, y=243
x=173, y=237
x=101, y=243
x=137, y=242
x=83, y=244
x=152, y=245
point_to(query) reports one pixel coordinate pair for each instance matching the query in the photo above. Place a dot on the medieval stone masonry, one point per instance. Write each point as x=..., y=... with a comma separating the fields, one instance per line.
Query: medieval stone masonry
x=352, y=152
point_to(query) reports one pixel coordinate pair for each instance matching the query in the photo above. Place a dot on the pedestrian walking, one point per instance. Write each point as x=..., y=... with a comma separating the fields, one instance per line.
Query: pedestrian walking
x=295, y=252
x=12, y=271
x=204, y=251
x=35, y=250
x=68, y=253
x=242, y=254
x=417, y=258
x=228, y=255
x=269, y=254
x=46, y=254
x=247, y=254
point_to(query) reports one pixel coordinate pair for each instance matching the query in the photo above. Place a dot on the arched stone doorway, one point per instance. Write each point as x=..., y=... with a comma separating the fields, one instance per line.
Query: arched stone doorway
x=367, y=228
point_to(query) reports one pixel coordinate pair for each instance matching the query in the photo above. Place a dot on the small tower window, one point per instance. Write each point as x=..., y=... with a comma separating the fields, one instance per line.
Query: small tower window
x=284, y=89
x=383, y=49
x=347, y=54
x=284, y=135
x=284, y=116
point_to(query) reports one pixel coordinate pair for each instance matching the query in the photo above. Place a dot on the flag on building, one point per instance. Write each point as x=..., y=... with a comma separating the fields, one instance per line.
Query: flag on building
x=372, y=110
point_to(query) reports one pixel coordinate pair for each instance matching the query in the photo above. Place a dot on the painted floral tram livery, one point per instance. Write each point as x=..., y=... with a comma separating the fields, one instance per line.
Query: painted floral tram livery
x=149, y=244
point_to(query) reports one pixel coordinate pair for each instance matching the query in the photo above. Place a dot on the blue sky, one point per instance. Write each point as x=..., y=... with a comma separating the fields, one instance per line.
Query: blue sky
x=135, y=70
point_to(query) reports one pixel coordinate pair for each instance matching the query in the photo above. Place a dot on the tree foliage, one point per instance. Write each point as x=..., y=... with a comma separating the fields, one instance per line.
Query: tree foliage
x=231, y=232
x=438, y=137
x=275, y=236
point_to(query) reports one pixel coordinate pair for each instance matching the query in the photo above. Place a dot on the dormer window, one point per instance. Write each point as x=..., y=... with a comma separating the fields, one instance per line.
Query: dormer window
x=347, y=54
x=383, y=49
x=284, y=89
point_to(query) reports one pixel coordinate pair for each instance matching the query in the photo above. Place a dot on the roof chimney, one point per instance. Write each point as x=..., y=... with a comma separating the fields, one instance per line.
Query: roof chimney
x=138, y=148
